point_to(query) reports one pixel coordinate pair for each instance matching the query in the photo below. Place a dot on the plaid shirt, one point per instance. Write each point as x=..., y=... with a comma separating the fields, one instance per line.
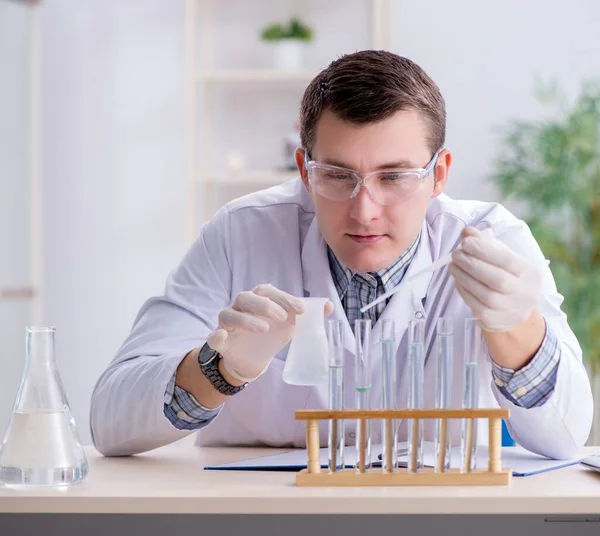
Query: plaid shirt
x=529, y=387
x=358, y=289
x=532, y=385
x=183, y=410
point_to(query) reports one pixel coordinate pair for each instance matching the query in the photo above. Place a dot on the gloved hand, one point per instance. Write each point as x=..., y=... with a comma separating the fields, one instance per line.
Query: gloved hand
x=501, y=287
x=254, y=328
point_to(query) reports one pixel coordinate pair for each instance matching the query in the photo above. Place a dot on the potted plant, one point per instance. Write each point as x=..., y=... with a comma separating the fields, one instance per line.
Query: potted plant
x=552, y=166
x=287, y=41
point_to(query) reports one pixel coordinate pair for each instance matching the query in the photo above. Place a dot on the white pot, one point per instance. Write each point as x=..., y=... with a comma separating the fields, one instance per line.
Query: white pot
x=288, y=54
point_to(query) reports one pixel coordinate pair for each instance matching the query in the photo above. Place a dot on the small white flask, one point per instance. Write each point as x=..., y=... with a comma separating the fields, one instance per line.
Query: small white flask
x=307, y=361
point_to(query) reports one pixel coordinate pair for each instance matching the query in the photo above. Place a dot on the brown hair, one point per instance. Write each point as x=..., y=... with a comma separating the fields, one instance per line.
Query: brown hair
x=369, y=86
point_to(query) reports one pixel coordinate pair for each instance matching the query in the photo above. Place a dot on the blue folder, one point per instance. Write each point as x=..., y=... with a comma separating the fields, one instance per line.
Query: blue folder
x=520, y=461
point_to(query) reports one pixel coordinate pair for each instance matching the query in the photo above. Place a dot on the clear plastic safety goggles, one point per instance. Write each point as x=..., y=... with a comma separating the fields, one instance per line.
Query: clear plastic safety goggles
x=385, y=187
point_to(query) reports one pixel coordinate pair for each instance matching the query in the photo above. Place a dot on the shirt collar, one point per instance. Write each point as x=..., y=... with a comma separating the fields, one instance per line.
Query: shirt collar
x=389, y=277
x=342, y=275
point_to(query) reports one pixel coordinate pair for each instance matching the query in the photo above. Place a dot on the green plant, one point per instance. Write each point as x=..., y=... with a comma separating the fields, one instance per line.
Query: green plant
x=553, y=166
x=295, y=29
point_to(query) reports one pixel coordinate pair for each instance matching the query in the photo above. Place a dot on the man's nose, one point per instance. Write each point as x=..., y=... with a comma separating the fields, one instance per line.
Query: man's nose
x=363, y=208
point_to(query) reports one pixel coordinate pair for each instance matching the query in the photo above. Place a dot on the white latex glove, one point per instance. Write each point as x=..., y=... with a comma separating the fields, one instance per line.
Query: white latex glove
x=254, y=328
x=501, y=287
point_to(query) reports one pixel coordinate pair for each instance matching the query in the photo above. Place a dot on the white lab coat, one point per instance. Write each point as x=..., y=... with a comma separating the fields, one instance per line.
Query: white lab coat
x=272, y=237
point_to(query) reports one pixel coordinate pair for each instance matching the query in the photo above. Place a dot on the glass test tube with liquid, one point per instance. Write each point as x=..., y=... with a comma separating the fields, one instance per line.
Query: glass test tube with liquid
x=389, y=384
x=416, y=378
x=443, y=391
x=473, y=351
x=335, y=336
x=362, y=386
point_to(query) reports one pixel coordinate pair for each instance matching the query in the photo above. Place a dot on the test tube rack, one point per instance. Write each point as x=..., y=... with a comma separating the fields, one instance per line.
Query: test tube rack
x=494, y=475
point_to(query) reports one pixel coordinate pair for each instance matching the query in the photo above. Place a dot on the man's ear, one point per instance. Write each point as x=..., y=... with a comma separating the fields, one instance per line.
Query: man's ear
x=441, y=172
x=299, y=155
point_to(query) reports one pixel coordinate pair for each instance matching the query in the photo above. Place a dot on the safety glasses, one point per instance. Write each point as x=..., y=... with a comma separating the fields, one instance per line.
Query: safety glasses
x=385, y=187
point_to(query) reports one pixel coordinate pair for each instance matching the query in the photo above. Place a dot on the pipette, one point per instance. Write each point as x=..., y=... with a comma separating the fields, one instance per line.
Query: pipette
x=433, y=266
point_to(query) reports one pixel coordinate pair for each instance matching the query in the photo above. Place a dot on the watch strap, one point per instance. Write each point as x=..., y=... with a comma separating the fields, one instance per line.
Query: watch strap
x=214, y=376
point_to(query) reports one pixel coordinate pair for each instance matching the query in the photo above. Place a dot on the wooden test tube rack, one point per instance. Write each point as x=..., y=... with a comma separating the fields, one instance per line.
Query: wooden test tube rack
x=494, y=475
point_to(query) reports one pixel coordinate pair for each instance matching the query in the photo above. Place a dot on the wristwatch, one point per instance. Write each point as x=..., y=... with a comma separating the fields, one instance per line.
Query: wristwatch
x=209, y=359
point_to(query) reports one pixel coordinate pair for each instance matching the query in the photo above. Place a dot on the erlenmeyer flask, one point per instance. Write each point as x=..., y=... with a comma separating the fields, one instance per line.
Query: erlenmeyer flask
x=41, y=446
x=307, y=361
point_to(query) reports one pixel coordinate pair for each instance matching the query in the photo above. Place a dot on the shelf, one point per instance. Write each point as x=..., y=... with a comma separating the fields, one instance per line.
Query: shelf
x=255, y=75
x=254, y=176
x=204, y=79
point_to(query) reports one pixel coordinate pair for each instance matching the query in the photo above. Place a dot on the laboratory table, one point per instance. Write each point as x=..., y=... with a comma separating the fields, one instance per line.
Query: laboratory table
x=168, y=489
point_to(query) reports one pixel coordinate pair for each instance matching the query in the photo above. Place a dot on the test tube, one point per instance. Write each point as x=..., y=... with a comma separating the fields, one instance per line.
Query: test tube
x=443, y=391
x=416, y=375
x=335, y=336
x=388, y=357
x=362, y=381
x=470, y=399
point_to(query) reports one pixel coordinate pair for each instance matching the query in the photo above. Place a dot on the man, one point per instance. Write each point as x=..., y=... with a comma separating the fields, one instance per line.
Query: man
x=367, y=211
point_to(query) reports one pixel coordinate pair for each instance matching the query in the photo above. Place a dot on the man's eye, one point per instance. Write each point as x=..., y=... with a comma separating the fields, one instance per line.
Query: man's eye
x=399, y=177
x=338, y=176
x=393, y=176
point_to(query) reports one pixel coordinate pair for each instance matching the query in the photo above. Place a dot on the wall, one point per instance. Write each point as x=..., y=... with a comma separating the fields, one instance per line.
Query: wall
x=485, y=56
x=15, y=24
x=114, y=146
x=113, y=171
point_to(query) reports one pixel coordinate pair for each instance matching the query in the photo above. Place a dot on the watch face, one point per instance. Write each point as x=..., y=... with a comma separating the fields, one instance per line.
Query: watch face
x=206, y=354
